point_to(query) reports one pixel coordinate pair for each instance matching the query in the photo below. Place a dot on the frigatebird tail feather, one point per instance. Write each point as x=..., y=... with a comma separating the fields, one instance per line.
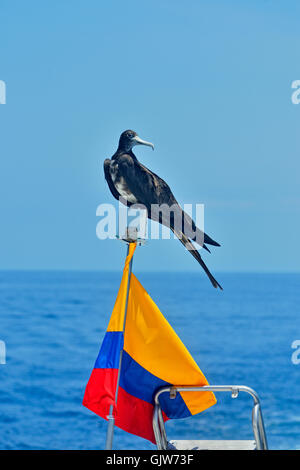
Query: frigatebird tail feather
x=207, y=249
x=210, y=241
x=190, y=247
x=195, y=234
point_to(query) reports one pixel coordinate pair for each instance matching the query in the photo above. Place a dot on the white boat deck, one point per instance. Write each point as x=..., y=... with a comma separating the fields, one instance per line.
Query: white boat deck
x=212, y=445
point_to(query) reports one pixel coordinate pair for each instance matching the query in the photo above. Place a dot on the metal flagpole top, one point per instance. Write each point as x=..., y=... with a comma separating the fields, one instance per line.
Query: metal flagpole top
x=134, y=231
x=131, y=236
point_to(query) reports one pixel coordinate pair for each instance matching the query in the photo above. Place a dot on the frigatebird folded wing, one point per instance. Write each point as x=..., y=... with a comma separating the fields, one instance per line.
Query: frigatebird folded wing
x=106, y=166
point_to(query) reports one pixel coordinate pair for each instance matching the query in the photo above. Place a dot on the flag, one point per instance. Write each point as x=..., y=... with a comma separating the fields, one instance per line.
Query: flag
x=153, y=356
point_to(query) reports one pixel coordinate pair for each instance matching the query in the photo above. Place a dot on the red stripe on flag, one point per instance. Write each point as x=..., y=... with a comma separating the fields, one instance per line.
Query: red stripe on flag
x=135, y=415
x=100, y=391
x=132, y=414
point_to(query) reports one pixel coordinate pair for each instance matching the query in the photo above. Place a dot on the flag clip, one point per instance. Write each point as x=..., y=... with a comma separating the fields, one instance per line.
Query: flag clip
x=173, y=392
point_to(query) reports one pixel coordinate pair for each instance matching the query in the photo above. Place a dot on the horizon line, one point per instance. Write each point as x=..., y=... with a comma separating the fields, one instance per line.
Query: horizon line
x=94, y=270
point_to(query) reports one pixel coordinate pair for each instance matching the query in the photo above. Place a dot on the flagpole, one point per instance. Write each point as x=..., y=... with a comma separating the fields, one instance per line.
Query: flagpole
x=111, y=418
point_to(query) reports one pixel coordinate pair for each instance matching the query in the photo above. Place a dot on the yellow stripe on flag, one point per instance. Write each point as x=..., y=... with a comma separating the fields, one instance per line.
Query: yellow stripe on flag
x=117, y=317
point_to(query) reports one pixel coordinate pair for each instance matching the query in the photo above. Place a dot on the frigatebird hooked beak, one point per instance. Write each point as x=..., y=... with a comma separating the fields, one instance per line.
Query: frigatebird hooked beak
x=138, y=141
x=133, y=183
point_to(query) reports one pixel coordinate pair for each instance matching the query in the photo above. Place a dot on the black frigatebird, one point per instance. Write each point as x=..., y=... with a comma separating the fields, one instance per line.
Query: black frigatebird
x=132, y=183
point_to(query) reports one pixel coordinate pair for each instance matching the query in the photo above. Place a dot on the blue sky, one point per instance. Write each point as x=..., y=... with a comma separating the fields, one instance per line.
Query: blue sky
x=209, y=83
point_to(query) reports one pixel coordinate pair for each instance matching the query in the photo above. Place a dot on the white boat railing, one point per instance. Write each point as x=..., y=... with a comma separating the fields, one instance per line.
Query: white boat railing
x=257, y=418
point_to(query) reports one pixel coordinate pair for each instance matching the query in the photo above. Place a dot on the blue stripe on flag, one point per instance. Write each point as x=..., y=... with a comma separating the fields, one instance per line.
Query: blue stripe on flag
x=109, y=355
x=140, y=383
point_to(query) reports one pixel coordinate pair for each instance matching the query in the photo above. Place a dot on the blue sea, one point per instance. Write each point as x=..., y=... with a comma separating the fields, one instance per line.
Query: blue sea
x=53, y=323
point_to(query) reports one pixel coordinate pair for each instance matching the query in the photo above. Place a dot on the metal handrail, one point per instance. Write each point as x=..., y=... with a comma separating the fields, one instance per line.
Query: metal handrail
x=257, y=418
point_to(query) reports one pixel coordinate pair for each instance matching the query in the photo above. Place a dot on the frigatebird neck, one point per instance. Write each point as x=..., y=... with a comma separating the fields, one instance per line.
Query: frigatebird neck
x=122, y=151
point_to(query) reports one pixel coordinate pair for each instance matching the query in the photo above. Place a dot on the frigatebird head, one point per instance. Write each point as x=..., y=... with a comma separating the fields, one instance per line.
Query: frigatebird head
x=129, y=139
